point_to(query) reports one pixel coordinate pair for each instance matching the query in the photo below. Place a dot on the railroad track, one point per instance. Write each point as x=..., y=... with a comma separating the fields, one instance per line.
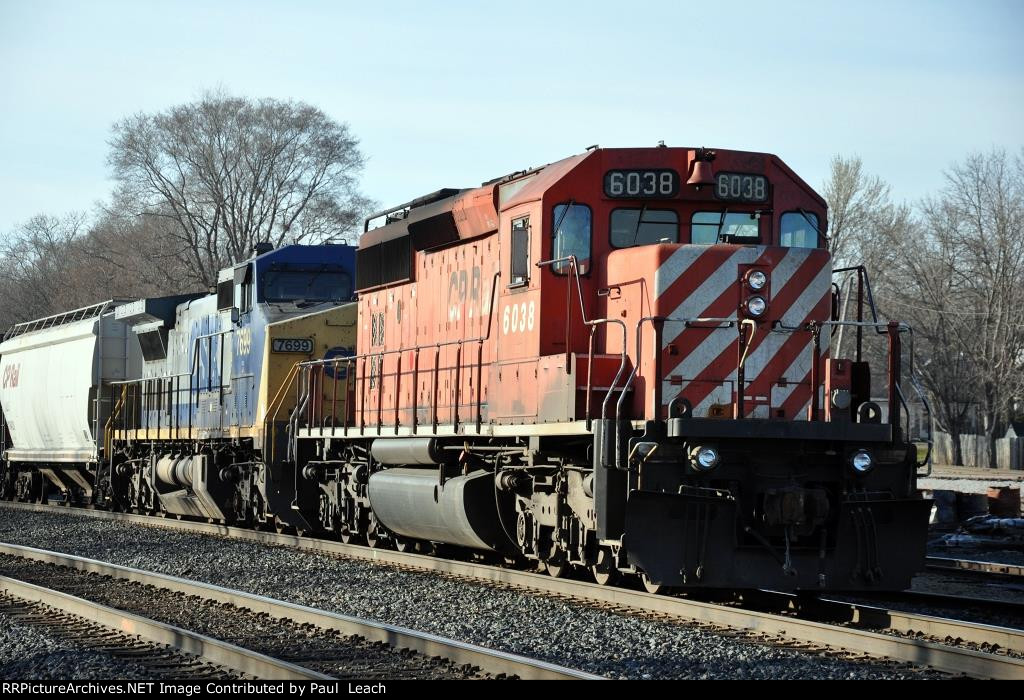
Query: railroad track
x=105, y=631
x=969, y=566
x=1011, y=611
x=164, y=650
x=282, y=640
x=853, y=629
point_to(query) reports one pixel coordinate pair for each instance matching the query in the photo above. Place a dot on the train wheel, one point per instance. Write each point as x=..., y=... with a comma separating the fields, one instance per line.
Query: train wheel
x=373, y=534
x=557, y=568
x=404, y=544
x=604, y=571
x=651, y=587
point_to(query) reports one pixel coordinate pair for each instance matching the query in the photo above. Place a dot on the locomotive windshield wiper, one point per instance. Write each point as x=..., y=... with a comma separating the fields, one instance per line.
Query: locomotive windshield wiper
x=636, y=229
x=558, y=225
x=721, y=223
x=809, y=220
x=568, y=208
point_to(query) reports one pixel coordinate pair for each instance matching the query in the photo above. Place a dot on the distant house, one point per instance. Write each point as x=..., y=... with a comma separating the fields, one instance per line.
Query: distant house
x=1016, y=429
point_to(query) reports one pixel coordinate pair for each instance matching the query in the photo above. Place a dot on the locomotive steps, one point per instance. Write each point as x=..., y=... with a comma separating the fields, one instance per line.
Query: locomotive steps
x=285, y=640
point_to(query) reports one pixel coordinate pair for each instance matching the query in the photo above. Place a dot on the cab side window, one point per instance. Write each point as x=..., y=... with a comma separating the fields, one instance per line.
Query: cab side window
x=798, y=230
x=225, y=294
x=571, y=237
x=520, y=272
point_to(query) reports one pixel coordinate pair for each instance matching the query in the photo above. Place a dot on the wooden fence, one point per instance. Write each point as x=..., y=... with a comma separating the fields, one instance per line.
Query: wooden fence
x=1009, y=451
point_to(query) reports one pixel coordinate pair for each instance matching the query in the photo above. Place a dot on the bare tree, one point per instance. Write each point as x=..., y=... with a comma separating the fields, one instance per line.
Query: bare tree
x=230, y=172
x=859, y=209
x=35, y=265
x=127, y=256
x=960, y=285
x=863, y=224
x=51, y=264
x=981, y=212
x=931, y=287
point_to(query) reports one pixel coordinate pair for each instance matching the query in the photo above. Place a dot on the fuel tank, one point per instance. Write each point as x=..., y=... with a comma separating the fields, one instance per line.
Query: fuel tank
x=412, y=503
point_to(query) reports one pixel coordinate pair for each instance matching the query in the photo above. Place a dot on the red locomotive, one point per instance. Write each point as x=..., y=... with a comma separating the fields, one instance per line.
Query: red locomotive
x=619, y=361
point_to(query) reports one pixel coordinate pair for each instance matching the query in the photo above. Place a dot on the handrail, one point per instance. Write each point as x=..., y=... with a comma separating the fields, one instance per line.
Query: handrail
x=863, y=273
x=194, y=389
x=73, y=316
x=636, y=366
x=381, y=353
x=349, y=362
x=108, y=428
x=276, y=404
x=730, y=322
x=592, y=324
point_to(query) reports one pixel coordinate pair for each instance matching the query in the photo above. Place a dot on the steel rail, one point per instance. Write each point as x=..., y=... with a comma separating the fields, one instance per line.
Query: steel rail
x=950, y=659
x=212, y=651
x=906, y=622
x=460, y=653
x=1010, y=608
x=968, y=566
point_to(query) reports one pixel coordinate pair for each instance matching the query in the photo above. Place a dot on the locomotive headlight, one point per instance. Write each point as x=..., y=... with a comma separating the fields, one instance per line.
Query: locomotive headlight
x=756, y=306
x=704, y=459
x=756, y=280
x=862, y=462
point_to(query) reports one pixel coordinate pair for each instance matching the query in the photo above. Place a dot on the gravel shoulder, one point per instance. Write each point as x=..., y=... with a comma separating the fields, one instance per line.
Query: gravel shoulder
x=604, y=642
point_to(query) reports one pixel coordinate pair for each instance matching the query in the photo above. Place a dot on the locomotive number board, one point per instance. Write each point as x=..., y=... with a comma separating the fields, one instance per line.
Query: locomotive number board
x=741, y=187
x=299, y=345
x=638, y=184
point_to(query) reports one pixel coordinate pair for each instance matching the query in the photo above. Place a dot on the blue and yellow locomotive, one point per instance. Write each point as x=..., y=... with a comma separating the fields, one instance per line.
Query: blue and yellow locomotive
x=212, y=400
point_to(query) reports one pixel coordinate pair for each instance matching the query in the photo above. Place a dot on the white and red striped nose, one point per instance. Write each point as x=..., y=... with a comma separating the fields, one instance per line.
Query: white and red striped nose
x=707, y=292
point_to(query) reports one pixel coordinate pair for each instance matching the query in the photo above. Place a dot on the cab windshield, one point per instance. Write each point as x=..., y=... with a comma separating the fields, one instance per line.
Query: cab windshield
x=635, y=227
x=709, y=227
x=313, y=283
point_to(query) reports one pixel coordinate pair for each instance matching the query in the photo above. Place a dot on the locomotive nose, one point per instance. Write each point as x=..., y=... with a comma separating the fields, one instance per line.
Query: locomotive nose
x=736, y=339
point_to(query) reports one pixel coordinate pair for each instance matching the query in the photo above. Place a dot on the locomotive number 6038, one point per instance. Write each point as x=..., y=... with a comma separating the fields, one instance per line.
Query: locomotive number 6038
x=632, y=184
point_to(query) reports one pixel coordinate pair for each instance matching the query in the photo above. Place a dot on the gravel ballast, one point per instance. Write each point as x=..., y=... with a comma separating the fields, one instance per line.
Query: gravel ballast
x=28, y=653
x=341, y=656
x=614, y=644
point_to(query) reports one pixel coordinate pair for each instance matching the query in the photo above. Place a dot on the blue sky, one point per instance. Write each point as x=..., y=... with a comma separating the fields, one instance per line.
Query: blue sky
x=454, y=93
